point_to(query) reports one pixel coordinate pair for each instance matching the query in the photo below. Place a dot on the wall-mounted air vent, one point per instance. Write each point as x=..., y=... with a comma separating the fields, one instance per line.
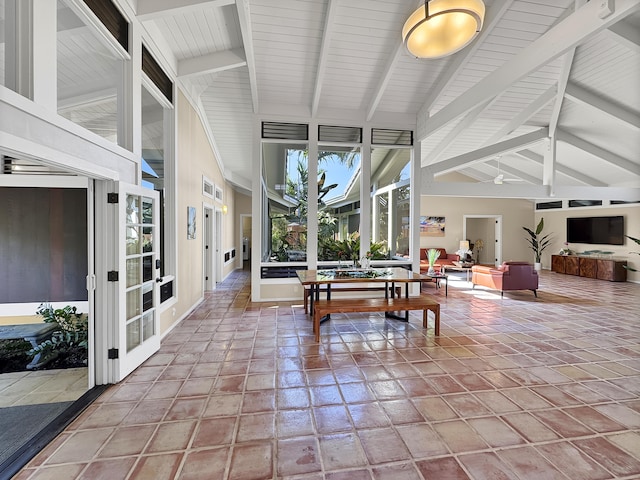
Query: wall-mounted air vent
x=285, y=131
x=331, y=133
x=549, y=205
x=584, y=203
x=16, y=166
x=382, y=136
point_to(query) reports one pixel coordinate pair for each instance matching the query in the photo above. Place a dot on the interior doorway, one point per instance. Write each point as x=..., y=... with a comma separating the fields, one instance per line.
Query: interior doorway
x=488, y=229
x=217, y=237
x=208, y=244
x=245, y=237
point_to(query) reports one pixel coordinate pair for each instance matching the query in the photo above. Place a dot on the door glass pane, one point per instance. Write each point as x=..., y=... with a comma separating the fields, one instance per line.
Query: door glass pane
x=133, y=303
x=133, y=334
x=148, y=326
x=147, y=239
x=147, y=268
x=147, y=297
x=133, y=209
x=133, y=240
x=133, y=271
x=147, y=210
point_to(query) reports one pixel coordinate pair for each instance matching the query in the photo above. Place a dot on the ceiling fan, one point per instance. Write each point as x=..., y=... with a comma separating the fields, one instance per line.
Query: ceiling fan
x=499, y=178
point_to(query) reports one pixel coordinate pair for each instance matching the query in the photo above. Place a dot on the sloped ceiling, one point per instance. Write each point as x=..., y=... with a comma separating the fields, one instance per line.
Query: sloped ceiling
x=543, y=77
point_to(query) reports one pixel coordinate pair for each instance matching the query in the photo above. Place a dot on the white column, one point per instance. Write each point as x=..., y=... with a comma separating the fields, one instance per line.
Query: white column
x=549, y=165
x=130, y=97
x=312, y=198
x=365, y=189
x=392, y=218
x=375, y=213
x=416, y=190
x=258, y=210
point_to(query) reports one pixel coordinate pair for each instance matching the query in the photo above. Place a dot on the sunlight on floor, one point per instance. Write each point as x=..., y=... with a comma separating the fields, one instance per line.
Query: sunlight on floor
x=43, y=386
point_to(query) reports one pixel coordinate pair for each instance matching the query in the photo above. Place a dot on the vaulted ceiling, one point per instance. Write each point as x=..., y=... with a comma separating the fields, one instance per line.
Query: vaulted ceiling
x=548, y=95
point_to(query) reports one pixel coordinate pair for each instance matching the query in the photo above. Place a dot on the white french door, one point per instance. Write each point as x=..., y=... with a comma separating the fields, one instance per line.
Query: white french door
x=135, y=284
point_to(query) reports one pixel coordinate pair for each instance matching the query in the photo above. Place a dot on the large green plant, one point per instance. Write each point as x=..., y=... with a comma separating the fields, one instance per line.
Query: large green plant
x=72, y=335
x=349, y=249
x=637, y=240
x=536, y=242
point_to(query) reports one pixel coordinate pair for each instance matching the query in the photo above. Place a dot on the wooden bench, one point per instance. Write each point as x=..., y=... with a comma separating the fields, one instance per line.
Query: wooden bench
x=321, y=308
x=338, y=287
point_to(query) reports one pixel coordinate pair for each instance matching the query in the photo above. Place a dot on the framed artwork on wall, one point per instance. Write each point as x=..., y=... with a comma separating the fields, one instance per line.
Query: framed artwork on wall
x=432, y=226
x=191, y=223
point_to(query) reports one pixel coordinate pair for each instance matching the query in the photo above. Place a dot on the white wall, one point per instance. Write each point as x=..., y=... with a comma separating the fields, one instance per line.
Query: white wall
x=515, y=214
x=195, y=159
x=556, y=224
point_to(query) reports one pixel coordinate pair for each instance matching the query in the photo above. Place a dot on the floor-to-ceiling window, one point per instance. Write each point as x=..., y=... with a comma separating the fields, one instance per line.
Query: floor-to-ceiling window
x=339, y=187
x=390, y=201
x=285, y=176
x=157, y=173
x=322, y=182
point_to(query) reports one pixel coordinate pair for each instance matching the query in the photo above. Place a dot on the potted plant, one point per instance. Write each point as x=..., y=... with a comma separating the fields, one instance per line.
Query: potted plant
x=432, y=256
x=69, y=343
x=478, y=245
x=637, y=240
x=537, y=243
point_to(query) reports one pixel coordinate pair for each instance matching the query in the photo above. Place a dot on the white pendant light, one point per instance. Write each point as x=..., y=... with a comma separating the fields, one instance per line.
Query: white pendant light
x=442, y=27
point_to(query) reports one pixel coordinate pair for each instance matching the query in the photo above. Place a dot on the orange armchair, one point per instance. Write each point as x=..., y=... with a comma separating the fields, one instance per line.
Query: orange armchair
x=508, y=276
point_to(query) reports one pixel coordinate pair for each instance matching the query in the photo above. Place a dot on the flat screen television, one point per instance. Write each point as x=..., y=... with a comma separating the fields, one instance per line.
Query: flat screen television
x=596, y=230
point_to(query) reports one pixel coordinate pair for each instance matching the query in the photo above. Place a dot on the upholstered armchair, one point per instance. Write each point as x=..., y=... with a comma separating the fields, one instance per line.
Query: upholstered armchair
x=508, y=276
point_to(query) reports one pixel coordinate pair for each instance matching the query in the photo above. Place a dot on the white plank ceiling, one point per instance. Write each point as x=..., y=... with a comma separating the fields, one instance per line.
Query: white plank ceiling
x=566, y=67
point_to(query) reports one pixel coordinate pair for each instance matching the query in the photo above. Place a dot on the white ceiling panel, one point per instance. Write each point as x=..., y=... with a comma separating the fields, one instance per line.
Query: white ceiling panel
x=340, y=60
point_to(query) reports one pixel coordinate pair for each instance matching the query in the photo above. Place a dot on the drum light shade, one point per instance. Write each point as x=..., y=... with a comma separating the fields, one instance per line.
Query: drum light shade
x=442, y=27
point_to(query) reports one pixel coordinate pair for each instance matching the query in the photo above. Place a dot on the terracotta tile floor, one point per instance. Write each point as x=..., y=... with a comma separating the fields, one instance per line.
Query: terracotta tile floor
x=515, y=388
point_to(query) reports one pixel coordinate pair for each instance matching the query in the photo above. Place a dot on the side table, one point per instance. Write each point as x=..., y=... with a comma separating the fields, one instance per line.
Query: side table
x=438, y=277
x=455, y=268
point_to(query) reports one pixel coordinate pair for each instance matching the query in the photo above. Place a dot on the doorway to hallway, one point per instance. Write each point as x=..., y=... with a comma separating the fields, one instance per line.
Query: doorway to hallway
x=245, y=236
x=487, y=229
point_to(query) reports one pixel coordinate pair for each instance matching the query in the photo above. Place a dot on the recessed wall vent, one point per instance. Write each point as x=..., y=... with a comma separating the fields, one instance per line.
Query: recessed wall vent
x=332, y=133
x=285, y=131
x=382, y=136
